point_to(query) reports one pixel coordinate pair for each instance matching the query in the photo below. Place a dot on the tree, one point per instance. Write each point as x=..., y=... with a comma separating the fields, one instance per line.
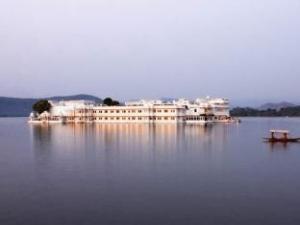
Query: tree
x=110, y=102
x=41, y=106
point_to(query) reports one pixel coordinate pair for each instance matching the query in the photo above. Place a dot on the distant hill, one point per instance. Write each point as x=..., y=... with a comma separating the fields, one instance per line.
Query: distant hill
x=276, y=106
x=281, y=109
x=293, y=111
x=76, y=97
x=19, y=107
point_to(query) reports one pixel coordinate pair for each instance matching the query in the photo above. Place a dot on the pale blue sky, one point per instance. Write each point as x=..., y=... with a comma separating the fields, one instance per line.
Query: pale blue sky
x=246, y=50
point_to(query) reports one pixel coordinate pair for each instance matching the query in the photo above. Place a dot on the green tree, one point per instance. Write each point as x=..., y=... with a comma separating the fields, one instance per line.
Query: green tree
x=41, y=106
x=110, y=102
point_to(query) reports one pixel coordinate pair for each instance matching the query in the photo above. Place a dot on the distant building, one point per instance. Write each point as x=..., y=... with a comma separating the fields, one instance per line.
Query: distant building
x=200, y=111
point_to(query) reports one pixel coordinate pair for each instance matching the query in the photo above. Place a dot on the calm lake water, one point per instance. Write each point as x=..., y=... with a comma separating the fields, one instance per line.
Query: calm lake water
x=140, y=174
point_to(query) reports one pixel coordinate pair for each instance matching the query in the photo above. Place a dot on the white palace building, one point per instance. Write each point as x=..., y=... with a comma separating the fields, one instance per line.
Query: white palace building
x=200, y=111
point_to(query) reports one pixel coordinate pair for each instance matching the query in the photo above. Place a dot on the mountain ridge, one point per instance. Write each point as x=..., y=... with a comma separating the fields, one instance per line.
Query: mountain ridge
x=21, y=107
x=276, y=106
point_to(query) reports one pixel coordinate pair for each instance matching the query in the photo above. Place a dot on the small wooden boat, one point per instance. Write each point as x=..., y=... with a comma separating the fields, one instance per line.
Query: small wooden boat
x=284, y=137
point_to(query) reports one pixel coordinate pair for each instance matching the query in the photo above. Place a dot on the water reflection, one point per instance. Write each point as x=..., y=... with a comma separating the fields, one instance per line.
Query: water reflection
x=125, y=137
x=279, y=146
x=41, y=137
x=111, y=148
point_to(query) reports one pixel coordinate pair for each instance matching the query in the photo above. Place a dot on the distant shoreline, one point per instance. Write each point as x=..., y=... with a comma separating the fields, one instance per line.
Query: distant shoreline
x=266, y=117
x=293, y=111
x=22, y=107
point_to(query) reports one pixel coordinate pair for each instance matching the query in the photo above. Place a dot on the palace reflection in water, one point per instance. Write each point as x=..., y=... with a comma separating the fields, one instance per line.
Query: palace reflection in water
x=127, y=137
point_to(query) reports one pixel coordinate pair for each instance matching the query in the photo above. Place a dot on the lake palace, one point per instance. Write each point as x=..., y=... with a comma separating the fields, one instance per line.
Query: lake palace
x=200, y=111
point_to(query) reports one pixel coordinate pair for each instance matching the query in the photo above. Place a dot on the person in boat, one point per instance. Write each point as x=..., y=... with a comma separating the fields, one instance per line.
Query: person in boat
x=284, y=136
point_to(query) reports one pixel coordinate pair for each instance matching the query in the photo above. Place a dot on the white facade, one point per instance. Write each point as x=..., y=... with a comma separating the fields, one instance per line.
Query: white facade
x=201, y=111
x=220, y=108
x=147, y=113
x=215, y=109
x=67, y=108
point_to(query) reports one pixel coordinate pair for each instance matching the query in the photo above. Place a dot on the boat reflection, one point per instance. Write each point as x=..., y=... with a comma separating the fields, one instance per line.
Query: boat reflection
x=278, y=146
